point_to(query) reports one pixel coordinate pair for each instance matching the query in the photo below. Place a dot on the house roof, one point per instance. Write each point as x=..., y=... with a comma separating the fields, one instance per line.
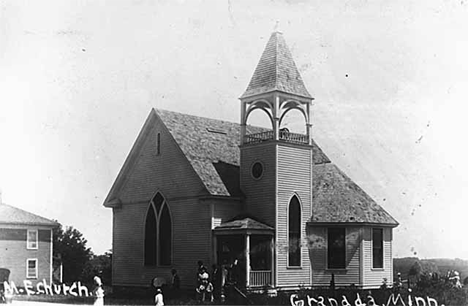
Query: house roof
x=276, y=70
x=337, y=199
x=212, y=148
x=16, y=216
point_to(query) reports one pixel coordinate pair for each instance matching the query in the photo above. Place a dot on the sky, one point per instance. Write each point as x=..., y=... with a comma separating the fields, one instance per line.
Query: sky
x=389, y=78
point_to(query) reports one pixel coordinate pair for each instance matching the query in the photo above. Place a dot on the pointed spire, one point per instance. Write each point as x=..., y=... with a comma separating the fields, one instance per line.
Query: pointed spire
x=276, y=70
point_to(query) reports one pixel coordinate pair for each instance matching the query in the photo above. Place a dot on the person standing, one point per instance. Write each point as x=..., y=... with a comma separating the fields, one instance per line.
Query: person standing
x=98, y=292
x=158, y=298
x=175, y=284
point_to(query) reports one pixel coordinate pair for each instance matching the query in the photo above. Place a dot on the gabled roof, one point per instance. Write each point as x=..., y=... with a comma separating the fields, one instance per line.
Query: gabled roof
x=276, y=70
x=337, y=199
x=212, y=148
x=15, y=216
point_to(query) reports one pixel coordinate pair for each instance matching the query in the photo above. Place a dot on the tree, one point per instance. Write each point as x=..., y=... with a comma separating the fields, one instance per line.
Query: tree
x=100, y=265
x=70, y=246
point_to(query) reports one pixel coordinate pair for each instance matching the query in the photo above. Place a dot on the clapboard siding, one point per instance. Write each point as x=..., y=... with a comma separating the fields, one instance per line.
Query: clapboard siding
x=223, y=211
x=321, y=275
x=14, y=255
x=294, y=178
x=129, y=225
x=171, y=174
x=260, y=194
x=169, y=171
x=373, y=278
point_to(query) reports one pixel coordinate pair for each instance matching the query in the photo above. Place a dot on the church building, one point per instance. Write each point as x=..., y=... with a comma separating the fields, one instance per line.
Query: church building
x=196, y=188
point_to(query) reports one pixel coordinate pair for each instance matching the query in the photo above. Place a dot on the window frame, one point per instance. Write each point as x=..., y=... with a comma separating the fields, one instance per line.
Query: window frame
x=158, y=212
x=262, y=169
x=382, y=254
x=158, y=144
x=344, y=255
x=36, y=268
x=32, y=245
x=299, y=236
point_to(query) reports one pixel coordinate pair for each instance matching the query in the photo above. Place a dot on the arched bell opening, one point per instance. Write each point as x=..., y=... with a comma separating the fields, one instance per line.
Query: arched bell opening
x=257, y=122
x=293, y=120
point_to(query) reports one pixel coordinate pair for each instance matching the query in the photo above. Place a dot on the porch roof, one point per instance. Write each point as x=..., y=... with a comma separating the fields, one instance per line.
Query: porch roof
x=243, y=225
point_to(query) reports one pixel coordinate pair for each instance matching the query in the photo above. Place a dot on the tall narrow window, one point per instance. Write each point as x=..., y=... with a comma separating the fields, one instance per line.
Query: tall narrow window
x=377, y=248
x=31, y=268
x=336, y=248
x=150, y=237
x=158, y=144
x=158, y=234
x=32, y=239
x=294, y=230
x=165, y=237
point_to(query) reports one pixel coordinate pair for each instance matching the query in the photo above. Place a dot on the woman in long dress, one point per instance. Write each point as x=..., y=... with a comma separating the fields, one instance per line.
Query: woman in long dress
x=98, y=292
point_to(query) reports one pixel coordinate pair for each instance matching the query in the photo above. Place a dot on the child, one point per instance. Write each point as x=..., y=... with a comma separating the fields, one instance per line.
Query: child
x=158, y=299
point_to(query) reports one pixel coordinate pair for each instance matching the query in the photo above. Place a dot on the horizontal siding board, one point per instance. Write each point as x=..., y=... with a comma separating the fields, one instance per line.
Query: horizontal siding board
x=224, y=211
x=14, y=255
x=294, y=178
x=260, y=194
x=128, y=259
x=373, y=278
x=169, y=171
x=321, y=276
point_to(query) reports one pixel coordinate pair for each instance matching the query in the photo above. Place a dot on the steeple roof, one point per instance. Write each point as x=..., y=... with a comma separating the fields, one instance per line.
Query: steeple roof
x=276, y=70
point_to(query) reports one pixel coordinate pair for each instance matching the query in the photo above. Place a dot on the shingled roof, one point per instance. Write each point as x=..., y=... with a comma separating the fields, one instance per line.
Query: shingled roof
x=16, y=216
x=243, y=224
x=276, y=70
x=211, y=146
x=337, y=199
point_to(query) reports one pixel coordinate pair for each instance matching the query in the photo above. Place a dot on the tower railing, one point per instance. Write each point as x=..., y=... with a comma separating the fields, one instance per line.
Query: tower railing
x=283, y=136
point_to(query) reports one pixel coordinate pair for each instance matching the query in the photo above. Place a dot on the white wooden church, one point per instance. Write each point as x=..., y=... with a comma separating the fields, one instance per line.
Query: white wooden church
x=195, y=188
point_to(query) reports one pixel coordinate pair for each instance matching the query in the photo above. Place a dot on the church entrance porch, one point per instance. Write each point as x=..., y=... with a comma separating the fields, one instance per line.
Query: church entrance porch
x=245, y=248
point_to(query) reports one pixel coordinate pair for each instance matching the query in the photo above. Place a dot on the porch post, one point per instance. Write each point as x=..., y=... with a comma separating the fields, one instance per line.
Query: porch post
x=273, y=264
x=247, y=259
x=215, y=249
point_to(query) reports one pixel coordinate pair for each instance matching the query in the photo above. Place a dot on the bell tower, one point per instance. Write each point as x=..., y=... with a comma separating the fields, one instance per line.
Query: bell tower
x=276, y=164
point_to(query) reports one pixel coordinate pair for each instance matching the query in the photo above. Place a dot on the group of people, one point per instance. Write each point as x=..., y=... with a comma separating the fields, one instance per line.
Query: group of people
x=211, y=287
x=454, y=278
x=210, y=284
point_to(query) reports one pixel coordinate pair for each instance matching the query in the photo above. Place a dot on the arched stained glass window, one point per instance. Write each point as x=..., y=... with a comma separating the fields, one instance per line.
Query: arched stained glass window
x=150, y=237
x=294, y=232
x=158, y=233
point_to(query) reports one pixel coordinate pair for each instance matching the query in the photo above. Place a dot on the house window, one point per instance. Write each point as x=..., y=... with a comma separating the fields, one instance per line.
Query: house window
x=377, y=248
x=31, y=268
x=158, y=233
x=158, y=144
x=294, y=230
x=336, y=248
x=32, y=239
